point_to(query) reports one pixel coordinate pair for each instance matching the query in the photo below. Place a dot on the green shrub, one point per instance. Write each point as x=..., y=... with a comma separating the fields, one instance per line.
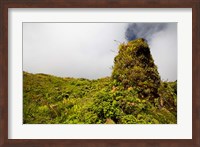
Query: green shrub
x=134, y=66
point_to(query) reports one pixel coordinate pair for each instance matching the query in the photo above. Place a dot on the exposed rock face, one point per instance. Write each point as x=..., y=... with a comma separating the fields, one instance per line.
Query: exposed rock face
x=134, y=67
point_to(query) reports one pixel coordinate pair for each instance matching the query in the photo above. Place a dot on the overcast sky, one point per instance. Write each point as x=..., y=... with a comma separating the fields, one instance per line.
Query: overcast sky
x=87, y=50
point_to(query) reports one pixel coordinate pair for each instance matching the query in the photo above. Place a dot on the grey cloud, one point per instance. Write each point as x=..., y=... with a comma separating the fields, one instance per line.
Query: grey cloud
x=164, y=50
x=143, y=30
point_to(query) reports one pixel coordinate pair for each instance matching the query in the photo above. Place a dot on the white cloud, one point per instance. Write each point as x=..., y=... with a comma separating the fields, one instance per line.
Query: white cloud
x=85, y=49
x=164, y=51
x=71, y=49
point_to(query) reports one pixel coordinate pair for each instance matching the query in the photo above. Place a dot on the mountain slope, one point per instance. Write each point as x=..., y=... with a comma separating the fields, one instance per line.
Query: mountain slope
x=134, y=94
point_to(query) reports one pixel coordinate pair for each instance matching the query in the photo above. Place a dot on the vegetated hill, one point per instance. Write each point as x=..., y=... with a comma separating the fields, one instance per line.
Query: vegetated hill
x=134, y=94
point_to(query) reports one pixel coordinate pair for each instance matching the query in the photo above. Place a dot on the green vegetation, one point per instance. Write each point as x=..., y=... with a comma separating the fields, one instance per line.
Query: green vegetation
x=134, y=94
x=134, y=67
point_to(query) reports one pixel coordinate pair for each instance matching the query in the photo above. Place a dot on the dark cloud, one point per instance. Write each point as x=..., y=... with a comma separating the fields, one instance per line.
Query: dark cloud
x=143, y=30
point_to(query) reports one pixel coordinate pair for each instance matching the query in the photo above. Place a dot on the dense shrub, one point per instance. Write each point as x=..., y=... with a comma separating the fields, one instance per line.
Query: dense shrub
x=134, y=67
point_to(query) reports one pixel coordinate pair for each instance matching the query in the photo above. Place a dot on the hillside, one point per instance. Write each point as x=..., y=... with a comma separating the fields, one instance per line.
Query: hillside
x=134, y=94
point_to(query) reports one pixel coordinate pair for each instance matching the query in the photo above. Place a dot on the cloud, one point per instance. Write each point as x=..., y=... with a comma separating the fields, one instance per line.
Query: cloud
x=143, y=30
x=71, y=49
x=164, y=50
x=85, y=49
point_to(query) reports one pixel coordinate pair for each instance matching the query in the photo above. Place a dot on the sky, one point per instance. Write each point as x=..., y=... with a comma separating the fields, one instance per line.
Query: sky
x=87, y=50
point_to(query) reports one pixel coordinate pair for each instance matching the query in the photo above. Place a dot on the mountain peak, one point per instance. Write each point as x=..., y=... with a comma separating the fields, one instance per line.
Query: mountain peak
x=134, y=67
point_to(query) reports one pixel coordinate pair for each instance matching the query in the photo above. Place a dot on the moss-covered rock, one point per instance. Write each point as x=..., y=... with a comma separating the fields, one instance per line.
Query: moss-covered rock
x=134, y=67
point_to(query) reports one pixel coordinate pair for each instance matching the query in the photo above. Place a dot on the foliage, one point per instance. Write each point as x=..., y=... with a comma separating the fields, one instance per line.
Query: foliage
x=168, y=95
x=133, y=94
x=134, y=67
x=52, y=100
